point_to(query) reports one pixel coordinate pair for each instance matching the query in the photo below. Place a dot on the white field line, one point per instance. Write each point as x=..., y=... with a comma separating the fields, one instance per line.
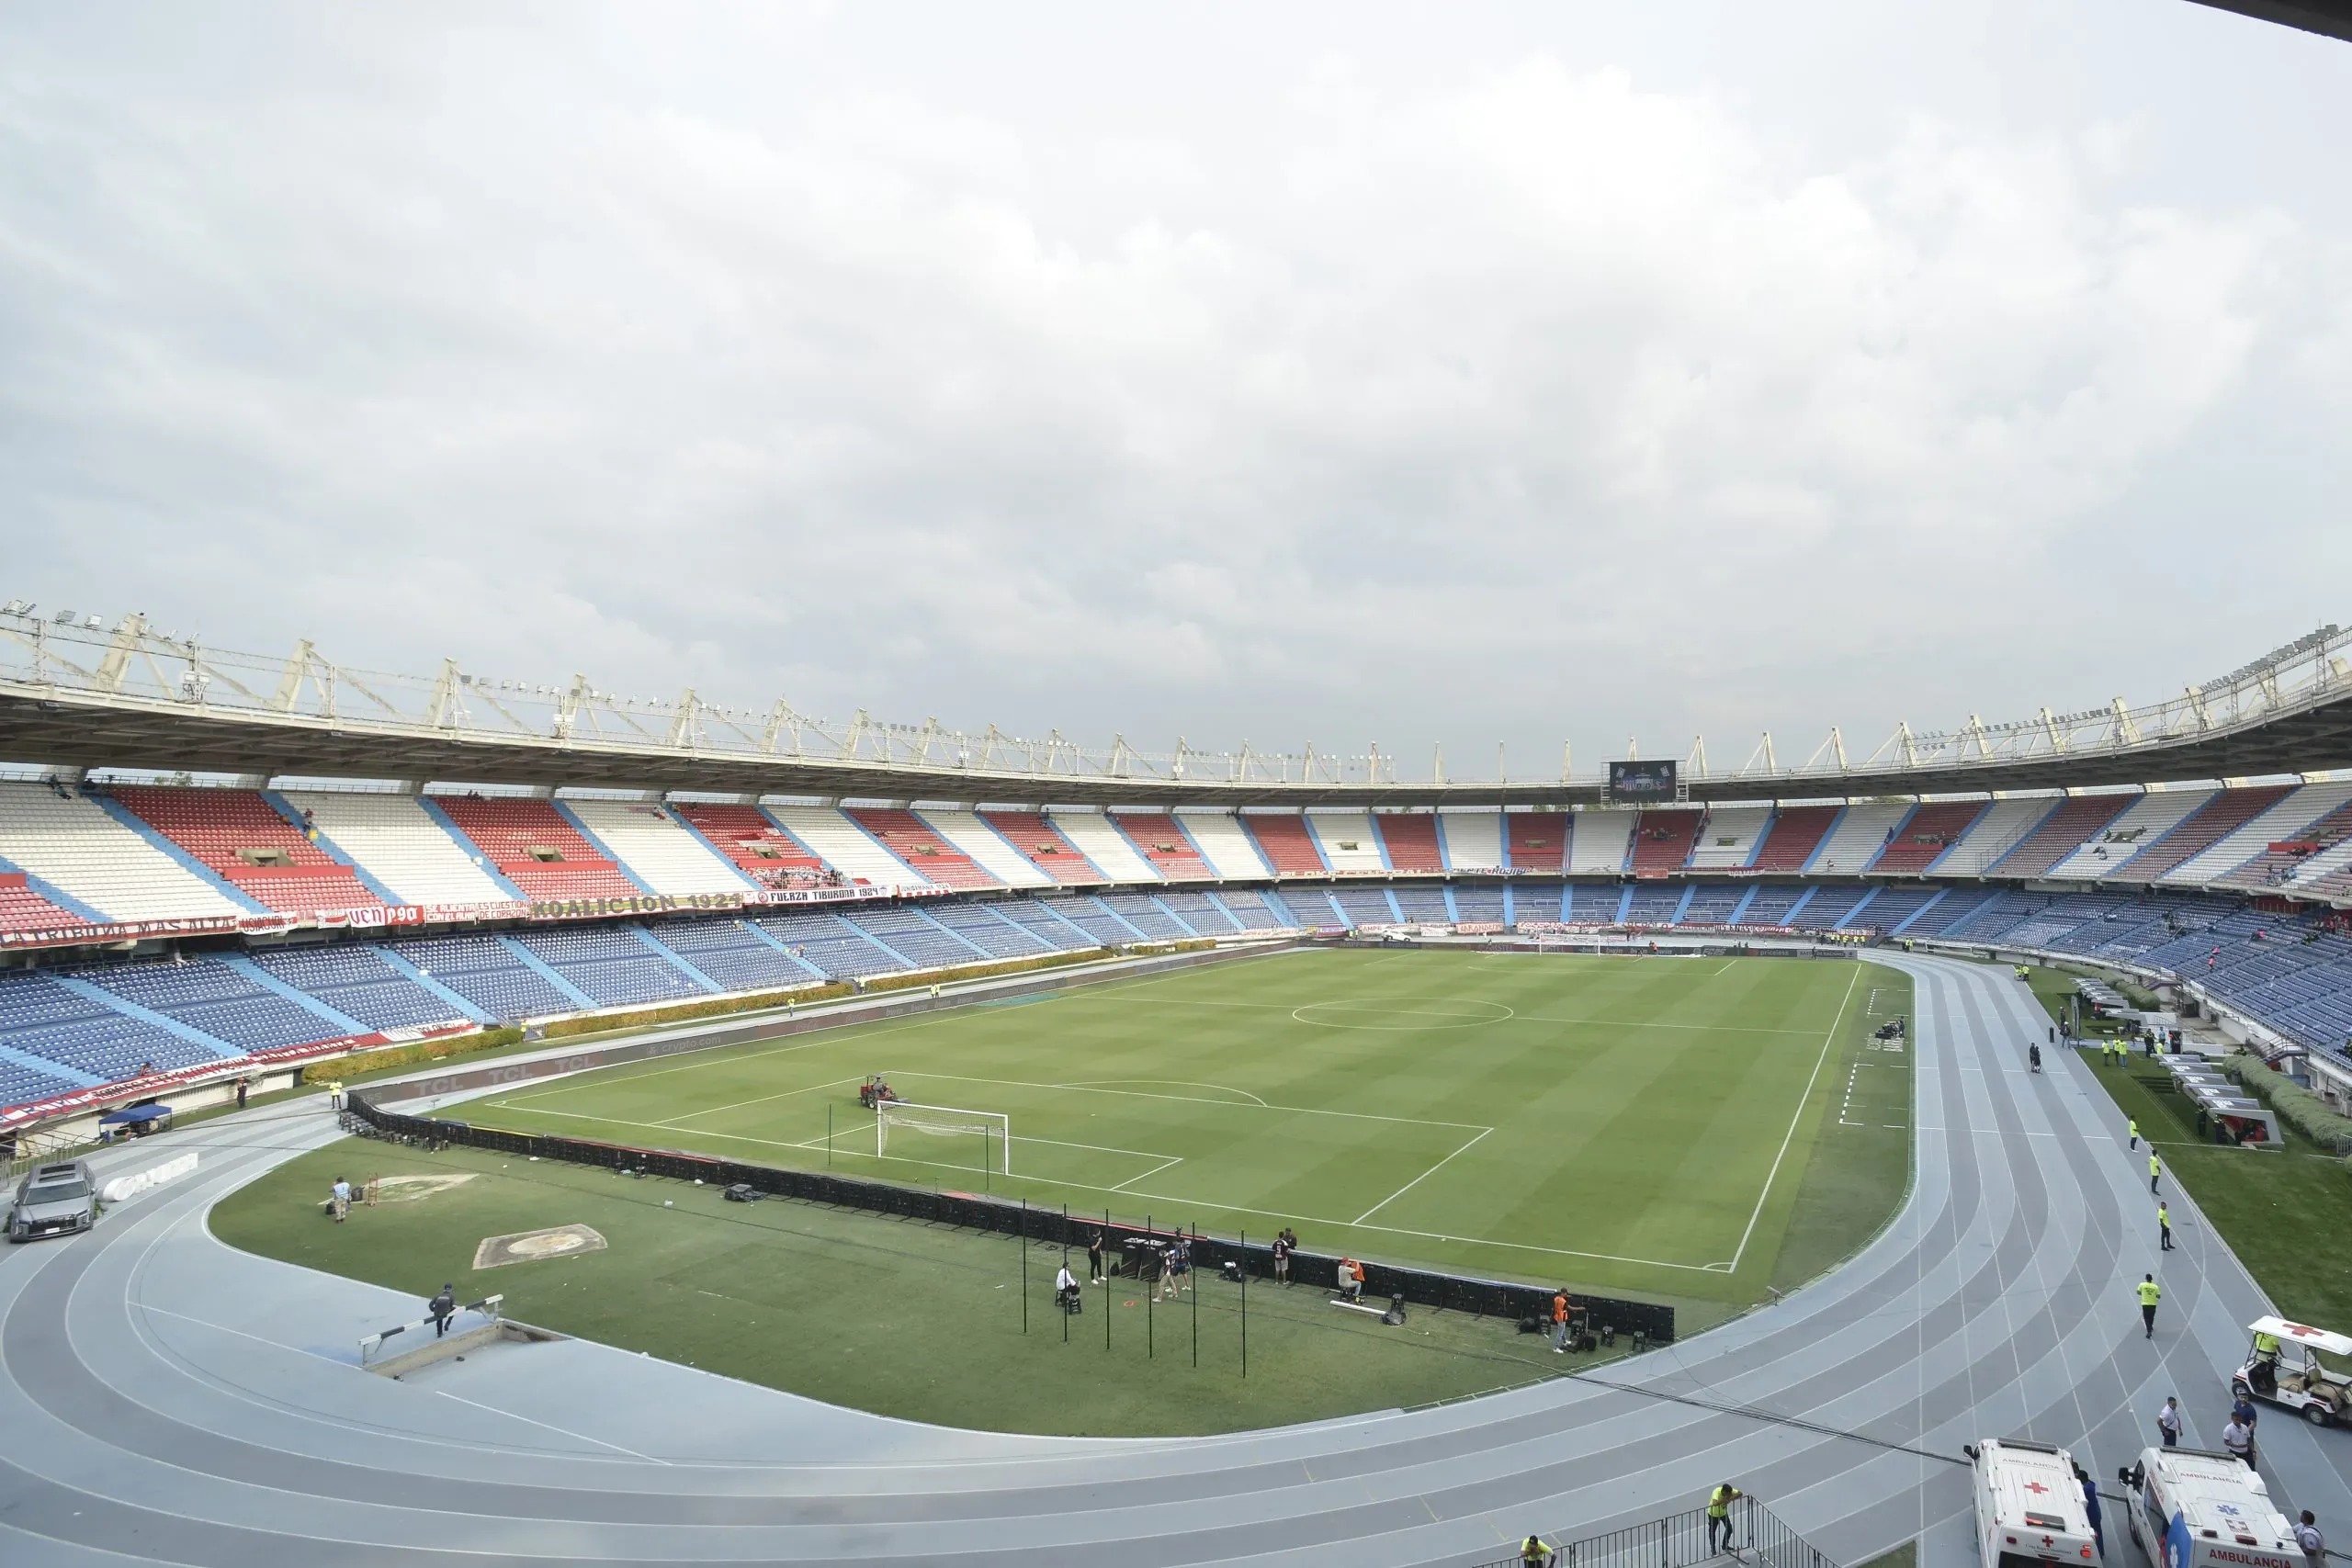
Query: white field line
x=1181, y=1083
x=1410, y=1185
x=837, y=1034
x=1155, y=1170
x=1802, y=1100
x=1522, y=1018
x=544, y=1426
x=1196, y=1099
x=762, y=1100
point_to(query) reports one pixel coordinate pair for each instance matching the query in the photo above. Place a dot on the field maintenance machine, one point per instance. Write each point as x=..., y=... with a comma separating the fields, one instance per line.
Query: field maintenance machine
x=2284, y=1366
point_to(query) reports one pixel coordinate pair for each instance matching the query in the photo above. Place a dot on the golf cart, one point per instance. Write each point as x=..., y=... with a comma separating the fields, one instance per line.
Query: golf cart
x=2283, y=1368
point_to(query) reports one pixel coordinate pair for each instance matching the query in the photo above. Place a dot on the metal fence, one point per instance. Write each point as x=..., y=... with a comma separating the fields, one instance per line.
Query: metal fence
x=1133, y=1242
x=1750, y=1534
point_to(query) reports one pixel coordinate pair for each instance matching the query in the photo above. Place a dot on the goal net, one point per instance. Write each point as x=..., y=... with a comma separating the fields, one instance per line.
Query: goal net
x=986, y=1134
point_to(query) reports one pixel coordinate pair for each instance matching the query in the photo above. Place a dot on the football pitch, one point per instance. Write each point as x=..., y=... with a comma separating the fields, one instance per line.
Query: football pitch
x=1635, y=1123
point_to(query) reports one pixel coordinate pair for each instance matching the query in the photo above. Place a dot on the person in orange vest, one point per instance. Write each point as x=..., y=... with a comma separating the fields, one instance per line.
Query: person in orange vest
x=1560, y=1322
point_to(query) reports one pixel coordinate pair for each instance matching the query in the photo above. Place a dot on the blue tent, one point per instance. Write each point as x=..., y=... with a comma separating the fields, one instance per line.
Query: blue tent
x=136, y=1115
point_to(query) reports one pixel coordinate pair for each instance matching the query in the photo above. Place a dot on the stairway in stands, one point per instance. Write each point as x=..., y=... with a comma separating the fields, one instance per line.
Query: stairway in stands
x=1795, y=834
x=921, y=846
x=2061, y=833
x=1042, y=843
x=1164, y=845
x=761, y=850
x=1925, y=835
x=1663, y=839
x=534, y=848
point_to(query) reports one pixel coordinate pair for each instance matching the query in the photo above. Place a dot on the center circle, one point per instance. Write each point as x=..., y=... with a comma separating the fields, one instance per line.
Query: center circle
x=1401, y=1013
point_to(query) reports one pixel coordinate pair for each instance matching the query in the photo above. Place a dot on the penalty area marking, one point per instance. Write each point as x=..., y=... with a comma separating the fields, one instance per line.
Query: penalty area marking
x=1455, y=1020
x=1786, y=1138
x=1178, y=1083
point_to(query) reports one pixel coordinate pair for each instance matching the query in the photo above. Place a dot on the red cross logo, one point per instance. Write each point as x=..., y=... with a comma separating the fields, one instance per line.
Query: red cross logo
x=2037, y=1488
x=2298, y=1331
x=2045, y=1541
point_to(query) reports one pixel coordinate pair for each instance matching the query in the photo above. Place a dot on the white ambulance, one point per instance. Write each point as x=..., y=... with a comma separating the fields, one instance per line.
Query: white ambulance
x=2029, y=1509
x=2195, y=1508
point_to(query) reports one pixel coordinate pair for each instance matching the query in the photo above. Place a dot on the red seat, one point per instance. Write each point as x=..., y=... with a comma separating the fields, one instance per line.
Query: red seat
x=1042, y=843
x=1287, y=843
x=1160, y=839
x=220, y=829
x=519, y=834
x=921, y=846
x=1411, y=839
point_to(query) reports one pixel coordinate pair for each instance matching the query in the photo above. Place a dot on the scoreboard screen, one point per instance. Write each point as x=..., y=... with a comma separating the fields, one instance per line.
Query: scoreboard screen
x=1641, y=781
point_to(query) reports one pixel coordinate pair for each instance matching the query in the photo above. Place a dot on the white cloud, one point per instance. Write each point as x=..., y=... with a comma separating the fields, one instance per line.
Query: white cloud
x=1526, y=403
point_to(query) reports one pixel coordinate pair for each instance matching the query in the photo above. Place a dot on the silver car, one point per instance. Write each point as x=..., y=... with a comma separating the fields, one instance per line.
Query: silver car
x=60, y=1199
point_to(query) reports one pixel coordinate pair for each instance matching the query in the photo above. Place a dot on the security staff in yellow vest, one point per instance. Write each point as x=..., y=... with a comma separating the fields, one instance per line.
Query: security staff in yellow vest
x=2156, y=1170
x=1719, y=1503
x=2150, y=1292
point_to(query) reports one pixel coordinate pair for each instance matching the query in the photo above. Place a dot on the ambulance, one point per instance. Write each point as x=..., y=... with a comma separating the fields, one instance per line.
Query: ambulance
x=2195, y=1508
x=2030, y=1509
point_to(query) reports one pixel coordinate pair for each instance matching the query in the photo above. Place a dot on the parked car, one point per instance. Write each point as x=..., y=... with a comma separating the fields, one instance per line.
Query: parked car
x=59, y=1199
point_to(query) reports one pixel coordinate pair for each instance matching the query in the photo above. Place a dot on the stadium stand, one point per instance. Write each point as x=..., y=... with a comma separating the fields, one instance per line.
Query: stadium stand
x=1252, y=913
x=1711, y=903
x=2301, y=856
x=1478, y=905
x=354, y=979
x=1100, y=841
x=1539, y=840
x=853, y=852
x=1228, y=850
x=986, y=847
x=1285, y=843
x=211, y=999
x=1410, y=840
x=1772, y=904
x=1036, y=916
x=239, y=837
x=1548, y=901
x=759, y=849
x=1663, y=839
x=1310, y=907
x=657, y=848
x=399, y=844
x=919, y=844
x=614, y=965
x=1728, y=837
x=1365, y=905
x=1422, y=904
x=2220, y=815
x=535, y=847
x=72, y=844
x=1829, y=907
x=2328, y=872
x=985, y=928
x=1201, y=912
x=2059, y=834
x=1998, y=829
x=1473, y=840
x=832, y=946
x=1890, y=907
x=1792, y=836
x=1602, y=842
x=2148, y=819
x=1144, y=913
x=1162, y=841
x=1096, y=919
x=1652, y=902
x=1925, y=836
x=1042, y=845
x=1347, y=840
x=80, y=1030
x=734, y=956
x=906, y=930
x=22, y=909
x=1862, y=831
x=486, y=971
x=2284, y=822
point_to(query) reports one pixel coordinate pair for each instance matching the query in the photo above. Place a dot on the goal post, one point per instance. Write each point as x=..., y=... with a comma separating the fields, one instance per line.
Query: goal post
x=903, y=1119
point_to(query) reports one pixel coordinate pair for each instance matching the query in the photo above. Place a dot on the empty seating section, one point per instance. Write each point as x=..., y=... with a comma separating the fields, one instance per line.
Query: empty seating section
x=759, y=849
x=611, y=964
x=1310, y=907
x=242, y=839
x=22, y=909
x=1032, y=916
x=1828, y=909
x=2148, y=819
x=644, y=837
x=1160, y=841
x=397, y=843
x=2221, y=815
x=42, y=1018
x=1772, y=903
x=1602, y=843
x=1042, y=844
x=2328, y=872
x=485, y=972
x=1539, y=840
x=835, y=948
x=1792, y=836
x=1255, y=914
x=1654, y=904
x=1095, y=921
x=849, y=849
x=1546, y=901
x=1346, y=840
x=1862, y=830
x=1711, y=903
x=2313, y=852
x=1478, y=906
x=1664, y=839
x=215, y=1001
x=1224, y=844
x=921, y=846
x=1422, y=904
x=2286, y=822
x=21, y=1084
x=1925, y=836
x=1889, y=909
x=1201, y=912
x=1999, y=828
x=72, y=844
x=354, y=979
x=921, y=942
x=1139, y=911
x=1365, y=906
x=2056, y=835
x=535, y=847
x=986, y=846
x=1093, y=836
x=1956, y=907
x=1411, y=839
x=1473, y=840
x=1285, y=843
x=1727, y=839
x=980, y=925
x=732, y=955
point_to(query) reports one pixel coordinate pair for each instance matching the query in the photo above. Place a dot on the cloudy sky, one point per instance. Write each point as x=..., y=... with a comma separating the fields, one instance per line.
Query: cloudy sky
x=1340, y=373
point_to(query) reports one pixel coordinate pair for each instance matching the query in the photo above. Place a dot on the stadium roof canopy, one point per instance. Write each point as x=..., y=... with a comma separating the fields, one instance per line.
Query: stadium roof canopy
x=2332, y=17
x=77, y=694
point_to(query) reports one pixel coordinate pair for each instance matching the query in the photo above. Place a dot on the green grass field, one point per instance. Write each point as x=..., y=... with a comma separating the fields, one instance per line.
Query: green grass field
x=1644, y=1124
x=1620, y=1126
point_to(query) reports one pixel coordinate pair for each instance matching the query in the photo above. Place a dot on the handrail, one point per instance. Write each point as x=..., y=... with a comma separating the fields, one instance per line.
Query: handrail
x=1751, y=1532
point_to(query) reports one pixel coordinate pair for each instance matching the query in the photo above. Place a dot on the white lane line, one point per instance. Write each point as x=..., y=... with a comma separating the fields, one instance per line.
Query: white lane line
x=1410, y=1185
x=1787, y=1137
x=1155, y=1170
x=544, y=1426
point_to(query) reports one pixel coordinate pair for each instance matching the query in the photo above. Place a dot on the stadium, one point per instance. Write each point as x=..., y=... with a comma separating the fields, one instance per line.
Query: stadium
x=458, y=1113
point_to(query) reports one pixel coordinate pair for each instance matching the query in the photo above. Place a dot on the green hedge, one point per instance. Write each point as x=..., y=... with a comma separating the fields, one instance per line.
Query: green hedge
x=340, y=1068
x=2298, y=1107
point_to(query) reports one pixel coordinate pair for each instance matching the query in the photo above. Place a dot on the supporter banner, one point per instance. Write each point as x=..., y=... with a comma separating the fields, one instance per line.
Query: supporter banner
x=641, y=904
x=127, y=931
x=1479, y=928
x=151, y=1084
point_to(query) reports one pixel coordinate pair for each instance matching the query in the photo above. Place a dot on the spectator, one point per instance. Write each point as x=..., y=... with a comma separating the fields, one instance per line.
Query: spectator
x=1093, y=1257
x=441, y=1309
x=339, y=1199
